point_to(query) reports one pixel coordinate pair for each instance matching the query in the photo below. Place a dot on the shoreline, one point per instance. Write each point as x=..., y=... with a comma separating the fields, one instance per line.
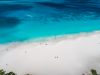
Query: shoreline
x=47, y=40
x=73, y=55
x=55, y=38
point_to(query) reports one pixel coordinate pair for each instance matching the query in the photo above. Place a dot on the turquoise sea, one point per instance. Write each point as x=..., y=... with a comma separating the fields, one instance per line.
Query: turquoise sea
x=22, y=20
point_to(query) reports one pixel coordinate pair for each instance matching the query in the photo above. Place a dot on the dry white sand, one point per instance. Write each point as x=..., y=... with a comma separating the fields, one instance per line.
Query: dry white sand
x=60, y=56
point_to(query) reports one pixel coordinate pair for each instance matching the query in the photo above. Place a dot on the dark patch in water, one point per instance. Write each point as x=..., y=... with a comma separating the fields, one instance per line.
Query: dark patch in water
x=77, y=1
x=8, y=22
x=86, y=5
x=13, y=7
x=74, y=9
x=6, y=0
x=52, y=5
x=74, y=6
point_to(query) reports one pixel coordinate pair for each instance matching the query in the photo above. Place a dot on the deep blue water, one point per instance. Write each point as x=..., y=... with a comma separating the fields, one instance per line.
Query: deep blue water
x=22, y=20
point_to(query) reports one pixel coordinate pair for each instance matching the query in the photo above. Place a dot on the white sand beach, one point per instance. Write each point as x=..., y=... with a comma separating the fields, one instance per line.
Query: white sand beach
x=58, y=56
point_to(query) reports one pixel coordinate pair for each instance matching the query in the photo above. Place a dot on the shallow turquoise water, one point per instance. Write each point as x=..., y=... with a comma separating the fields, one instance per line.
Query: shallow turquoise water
x=24, y=21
